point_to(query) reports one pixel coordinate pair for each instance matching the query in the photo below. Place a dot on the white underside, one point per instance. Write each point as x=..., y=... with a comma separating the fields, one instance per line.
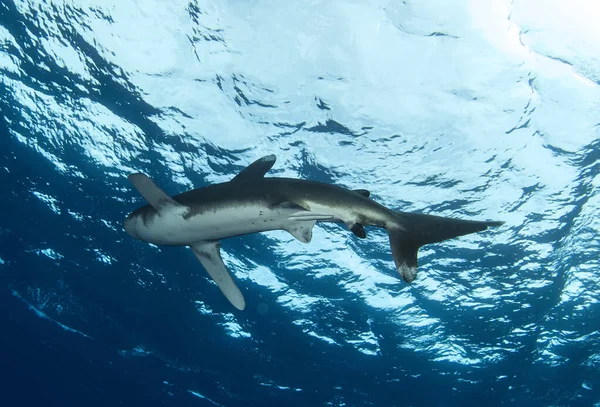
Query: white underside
x=169, y=227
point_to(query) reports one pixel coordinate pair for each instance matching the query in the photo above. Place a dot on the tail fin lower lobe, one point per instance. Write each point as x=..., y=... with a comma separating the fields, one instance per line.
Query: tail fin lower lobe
x=415, y=230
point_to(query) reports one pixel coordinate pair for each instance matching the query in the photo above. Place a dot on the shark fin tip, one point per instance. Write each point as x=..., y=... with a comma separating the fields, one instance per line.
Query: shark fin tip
x=241, y=305
x=407, y=272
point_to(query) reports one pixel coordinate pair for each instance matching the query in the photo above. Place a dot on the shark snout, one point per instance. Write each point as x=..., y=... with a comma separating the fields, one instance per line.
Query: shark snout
x=130, y=226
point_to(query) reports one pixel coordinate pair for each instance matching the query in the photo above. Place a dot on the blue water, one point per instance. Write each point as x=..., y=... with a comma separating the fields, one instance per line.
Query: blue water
x=481, y=111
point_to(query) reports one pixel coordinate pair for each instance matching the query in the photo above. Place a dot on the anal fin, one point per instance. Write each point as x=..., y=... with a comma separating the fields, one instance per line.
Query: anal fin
x=358, y=230
x=209, y=254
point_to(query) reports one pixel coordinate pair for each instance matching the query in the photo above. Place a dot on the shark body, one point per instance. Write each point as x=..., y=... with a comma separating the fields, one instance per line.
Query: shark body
x=252, y=203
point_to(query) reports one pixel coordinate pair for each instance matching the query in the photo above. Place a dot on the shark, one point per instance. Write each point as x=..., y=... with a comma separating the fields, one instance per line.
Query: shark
x=253, y=203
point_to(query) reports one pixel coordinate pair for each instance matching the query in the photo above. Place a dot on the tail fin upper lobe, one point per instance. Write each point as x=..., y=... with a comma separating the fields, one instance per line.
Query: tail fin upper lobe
x=415, y=230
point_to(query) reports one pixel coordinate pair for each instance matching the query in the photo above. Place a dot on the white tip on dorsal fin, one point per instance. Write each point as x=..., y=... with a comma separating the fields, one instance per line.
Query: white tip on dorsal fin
x=209, y=254
x=257, y=169
x=155, y=196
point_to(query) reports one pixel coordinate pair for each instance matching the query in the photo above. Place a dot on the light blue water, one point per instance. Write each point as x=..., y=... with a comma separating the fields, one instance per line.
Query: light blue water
x=476, y=110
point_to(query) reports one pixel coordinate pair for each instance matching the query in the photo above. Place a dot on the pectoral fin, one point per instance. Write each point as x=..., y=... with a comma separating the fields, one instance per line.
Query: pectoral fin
x=209, y=254
x=155, y=196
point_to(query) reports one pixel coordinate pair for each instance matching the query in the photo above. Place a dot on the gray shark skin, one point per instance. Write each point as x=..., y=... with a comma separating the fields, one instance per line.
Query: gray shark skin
x=251, y=203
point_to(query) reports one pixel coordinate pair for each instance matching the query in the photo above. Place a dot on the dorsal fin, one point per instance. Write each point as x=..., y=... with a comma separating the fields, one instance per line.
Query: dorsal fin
x=363, y=192
x=257, y=169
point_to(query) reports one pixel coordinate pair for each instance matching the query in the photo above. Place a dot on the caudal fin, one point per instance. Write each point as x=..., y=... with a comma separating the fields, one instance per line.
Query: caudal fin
x=415, y=230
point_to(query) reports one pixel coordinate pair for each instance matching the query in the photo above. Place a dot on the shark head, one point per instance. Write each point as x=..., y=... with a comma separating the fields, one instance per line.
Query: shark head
x=130, y=225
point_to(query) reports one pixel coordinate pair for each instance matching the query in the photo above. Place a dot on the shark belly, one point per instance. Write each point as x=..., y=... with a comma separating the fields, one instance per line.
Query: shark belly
x=174, y=229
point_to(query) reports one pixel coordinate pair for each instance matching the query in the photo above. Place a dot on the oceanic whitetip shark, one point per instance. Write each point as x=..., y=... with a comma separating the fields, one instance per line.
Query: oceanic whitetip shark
x=252, y=203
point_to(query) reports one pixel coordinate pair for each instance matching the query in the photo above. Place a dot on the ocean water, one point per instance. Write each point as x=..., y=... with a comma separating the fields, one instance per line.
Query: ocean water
x=485, y=110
